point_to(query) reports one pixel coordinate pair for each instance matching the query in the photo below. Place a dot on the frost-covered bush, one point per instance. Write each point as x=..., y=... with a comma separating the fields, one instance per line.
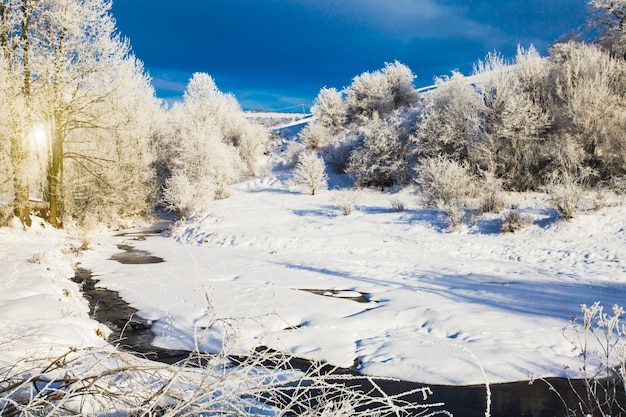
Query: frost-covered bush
x=490, y=194
x=380, y=93
x=513, y=125
x=566, y=190
x=385, y=153
x=346, y=200
x=179, y=195
x=315, y=136
x=444, y=182
x=293, y=152
x=337, y=152
x=310, y=173
x=450, y=120
x=599, y=348
x=99, y=382
x=592, y=86
x=395, y=204
x=514, y=221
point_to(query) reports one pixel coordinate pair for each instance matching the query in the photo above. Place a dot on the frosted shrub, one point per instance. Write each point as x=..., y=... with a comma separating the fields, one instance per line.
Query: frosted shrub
x=310, y=173
x=513, y=221
x=444, y=182
x=599, y=344
x=346, y=200
x=455, y=217
x=490, y=194
x=94, y=382
x=178, y=195
x=450, y=120
x=329, y=109
x=337, y=152
x=294, y=151
x=566, y=190
x=385, y=153
x=315, y=136
x=379, y=93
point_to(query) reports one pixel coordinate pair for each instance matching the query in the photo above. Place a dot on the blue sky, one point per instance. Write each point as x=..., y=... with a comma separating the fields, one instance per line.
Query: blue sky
x=277, y=54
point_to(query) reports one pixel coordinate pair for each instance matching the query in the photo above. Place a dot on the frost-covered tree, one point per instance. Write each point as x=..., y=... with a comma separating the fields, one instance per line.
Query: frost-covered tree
x=610, y=19
x=328, y=109
x=329, y=112
x=450, y=120
x=15, y=49
x=66, y=65
x=592, y=87
x=380, y=93
x=210, y=145
x=116, y=177
x=513, y=125
x=205, y=102
x=310, y=173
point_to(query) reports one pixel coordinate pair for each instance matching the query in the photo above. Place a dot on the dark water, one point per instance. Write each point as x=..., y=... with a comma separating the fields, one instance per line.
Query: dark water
x=517, y=399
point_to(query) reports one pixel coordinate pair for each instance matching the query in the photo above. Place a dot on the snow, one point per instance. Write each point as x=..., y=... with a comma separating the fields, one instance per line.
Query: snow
x=441, y=305
x=41, y=310
x=392, y=293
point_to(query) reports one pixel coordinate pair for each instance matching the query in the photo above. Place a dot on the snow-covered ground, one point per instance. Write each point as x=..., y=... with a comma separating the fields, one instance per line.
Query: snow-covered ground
x=42, y=312
x=272, y=267
x=392, y=293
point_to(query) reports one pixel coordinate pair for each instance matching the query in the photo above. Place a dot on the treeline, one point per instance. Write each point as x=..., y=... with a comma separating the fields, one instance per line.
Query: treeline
x=522, y=125
x=82, y=135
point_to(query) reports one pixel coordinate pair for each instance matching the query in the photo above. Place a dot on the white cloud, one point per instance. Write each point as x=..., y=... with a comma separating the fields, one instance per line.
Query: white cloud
x=407, y=19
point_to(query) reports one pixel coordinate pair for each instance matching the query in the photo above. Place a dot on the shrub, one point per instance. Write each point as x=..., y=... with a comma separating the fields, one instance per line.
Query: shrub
x=329, y=109
x=513, y=221
x=396, y=204
x=294, y=150
x=379, y=93
x=566, y=190
x=107, y=382
x=385, y=153
x=455, y=217
x=445, y=183
x=599, y=346
x=490, y=198
x=346, y=200
x=337, y=152
x=315, y=136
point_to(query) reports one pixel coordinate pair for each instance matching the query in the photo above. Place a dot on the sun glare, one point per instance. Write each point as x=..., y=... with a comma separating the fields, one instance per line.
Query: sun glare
x=39, y=136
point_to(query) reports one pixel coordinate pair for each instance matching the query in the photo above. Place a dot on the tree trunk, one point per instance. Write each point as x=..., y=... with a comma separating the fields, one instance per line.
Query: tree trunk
x=20, y=184
x=55, y=180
